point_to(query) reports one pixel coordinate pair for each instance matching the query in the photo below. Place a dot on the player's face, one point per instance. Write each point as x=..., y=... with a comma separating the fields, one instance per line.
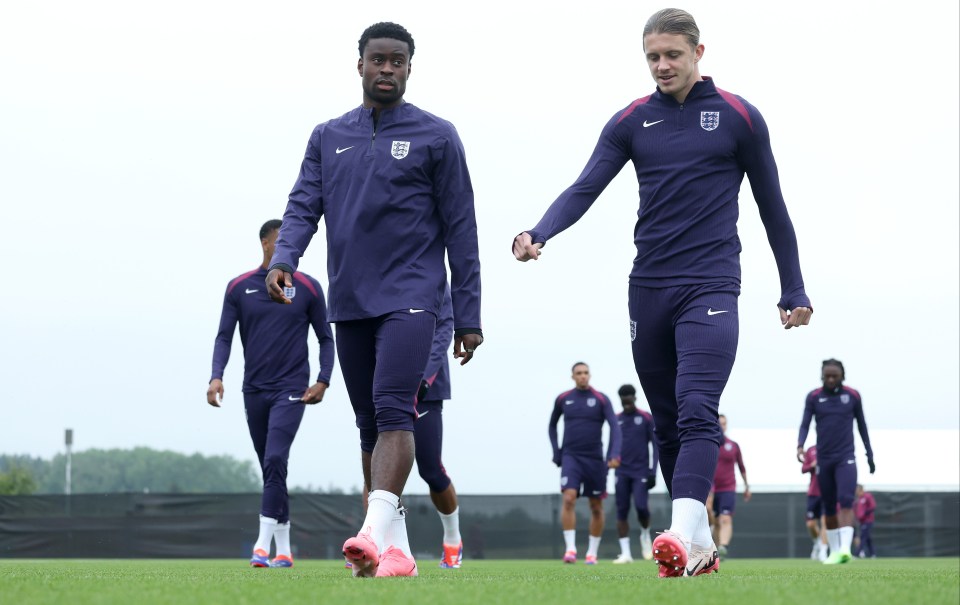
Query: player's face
x=832, y=377
x=723, y=424
x=629, y=403
x=269, y=243
x=581, y=376
x=673, y=63
x=384, y=67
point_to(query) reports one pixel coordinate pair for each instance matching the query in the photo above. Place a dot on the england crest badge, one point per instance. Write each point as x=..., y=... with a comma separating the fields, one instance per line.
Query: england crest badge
x=400, y=149
x=290, y=292
x=709, y=120
x=633, y=330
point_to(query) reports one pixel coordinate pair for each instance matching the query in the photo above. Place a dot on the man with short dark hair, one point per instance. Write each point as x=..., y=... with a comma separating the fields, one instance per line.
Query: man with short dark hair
x=637, y=473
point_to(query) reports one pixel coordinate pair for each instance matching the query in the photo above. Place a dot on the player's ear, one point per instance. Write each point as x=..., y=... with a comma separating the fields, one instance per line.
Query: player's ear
x=360, y=66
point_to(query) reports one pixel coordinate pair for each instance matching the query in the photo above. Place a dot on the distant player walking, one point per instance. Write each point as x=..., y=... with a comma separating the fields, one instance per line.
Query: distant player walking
x=722, y=501
x=275, y=380
x=815, y=524
x=637, y=473
x=583, y=467
x=835, y=407
x=865, y=508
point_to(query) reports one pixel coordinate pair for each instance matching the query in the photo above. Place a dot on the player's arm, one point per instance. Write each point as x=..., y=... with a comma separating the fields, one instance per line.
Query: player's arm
x=608, y=158
x=300, y=220
x=453, y=191
x=221, y=348
x=808, y=410
x=761, y=168
x=552, y=431
x=616, y=434
x=809, y=462
x=318, y=319
x=743, y=475
x=655, y=455
x=862, y=428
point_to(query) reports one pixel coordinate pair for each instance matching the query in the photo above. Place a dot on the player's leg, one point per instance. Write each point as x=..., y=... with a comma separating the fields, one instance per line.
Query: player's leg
x=595, y=486
x=712, y=511
x=571, y=478
x=428, y=436
x=826, y=476
x=257, y=408
x=846, y=481
x=725, y=502
x=813, y=527
x=641, y=502
x=622, y=499
x=285, y=418
x=866, y=540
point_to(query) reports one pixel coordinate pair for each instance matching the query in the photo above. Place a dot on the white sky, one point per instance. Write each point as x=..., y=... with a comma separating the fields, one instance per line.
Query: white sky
x=142, y=146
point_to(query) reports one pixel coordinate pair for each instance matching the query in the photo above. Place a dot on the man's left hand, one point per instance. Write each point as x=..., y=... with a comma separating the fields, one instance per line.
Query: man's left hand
x=314, y=394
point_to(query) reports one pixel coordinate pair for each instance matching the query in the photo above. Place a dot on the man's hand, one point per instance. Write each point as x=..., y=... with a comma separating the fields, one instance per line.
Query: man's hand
x=524, y=249
x=557, y=457
x=215, y=392
x=746, y=494
x=276, y=280
x=799, y=316
x=800, y=454
x=651, y=482
x=422, y=391
x=465, y=346
x=613, y=463
x=873, y=467
x=314, y=394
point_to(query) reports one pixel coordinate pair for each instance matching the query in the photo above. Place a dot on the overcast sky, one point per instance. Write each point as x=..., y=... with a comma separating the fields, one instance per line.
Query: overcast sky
x=142, y=146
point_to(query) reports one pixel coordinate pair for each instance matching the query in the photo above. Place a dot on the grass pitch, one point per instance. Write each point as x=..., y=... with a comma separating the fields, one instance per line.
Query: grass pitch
x=232, y=582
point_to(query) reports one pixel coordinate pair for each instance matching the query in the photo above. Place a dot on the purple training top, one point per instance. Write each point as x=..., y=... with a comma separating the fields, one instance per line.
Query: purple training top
x=274, y=337
x=690, y=160
x=725, y=478
x=835, y=412
x=584, y=413
x=638, y=441
x=396, y=197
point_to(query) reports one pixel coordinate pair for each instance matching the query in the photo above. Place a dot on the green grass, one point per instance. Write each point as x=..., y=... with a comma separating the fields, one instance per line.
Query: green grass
x=740, y=582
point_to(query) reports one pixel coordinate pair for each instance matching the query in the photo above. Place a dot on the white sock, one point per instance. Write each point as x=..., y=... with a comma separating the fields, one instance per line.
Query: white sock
x=281, y=537
x=625, y=547
x=451, y=527
x=267, y=527
x=690, y=520
x=645, y=532
x=381, y=510
x=570, y=537
x=593, y=546
x=833, y=540
x=823, y=550
x=846, y=539
x=396, y=534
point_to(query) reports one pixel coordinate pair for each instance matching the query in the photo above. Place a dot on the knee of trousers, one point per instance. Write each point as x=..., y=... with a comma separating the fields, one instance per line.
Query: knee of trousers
x=274, y=466
x=394, y=419
x=435, y=478
x=368, y=431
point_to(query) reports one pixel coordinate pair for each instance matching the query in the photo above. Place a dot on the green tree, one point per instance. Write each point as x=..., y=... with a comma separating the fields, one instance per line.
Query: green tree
x=17, y=481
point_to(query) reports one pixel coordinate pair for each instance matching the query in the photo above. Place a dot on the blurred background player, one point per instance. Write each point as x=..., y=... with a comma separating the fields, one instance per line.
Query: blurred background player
x=637, y=473
x=815, y=523
x=583, y=467
x=865, y=507
x=276, y=377
x=835, y=407
x=428, y=435
x=722, y=501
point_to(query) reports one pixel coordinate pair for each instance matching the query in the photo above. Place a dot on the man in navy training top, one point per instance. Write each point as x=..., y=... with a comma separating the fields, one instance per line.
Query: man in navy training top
x=583, y=469
x=428, y=435
x=722, y=501
x=835, y=407
x=391, y=183
x=691, y=144
x=816, y=524
x=865, y=508
x=637, y=473
x=276, y=380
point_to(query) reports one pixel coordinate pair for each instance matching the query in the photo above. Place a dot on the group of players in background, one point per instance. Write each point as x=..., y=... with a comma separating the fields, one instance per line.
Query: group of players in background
x=391, y=183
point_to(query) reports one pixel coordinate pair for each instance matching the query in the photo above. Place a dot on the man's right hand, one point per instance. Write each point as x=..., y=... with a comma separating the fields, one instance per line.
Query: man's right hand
x=276, y=280
x=215, y=392
x=557, y=458
x=800, y=454
x=524, y=249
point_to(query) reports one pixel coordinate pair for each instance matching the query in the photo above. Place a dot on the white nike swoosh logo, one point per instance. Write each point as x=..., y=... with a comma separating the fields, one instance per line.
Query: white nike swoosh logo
x=822, y=399
x=416, y=310
x=292, y=398
x=345, y=148
x=424, y=414
x=568, y=402
x=249, y=291
x=647, y=124
x=712, y=312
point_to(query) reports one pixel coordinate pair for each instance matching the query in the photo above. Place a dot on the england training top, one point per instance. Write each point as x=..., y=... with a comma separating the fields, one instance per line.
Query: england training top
x=835, y=412
x=274, y=337
x=810, y=466
x=396, y=196
x=690, y=160
x=725, y=478
x=638, y=441
x=584, y=412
